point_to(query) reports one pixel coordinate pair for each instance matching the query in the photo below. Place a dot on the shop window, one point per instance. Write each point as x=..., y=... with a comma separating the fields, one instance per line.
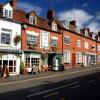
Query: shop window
x=66, y=56
x=93, y=59
x=79, y=58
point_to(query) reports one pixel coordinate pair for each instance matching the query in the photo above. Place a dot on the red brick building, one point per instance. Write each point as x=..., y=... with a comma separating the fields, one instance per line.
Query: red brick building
x=53, y=42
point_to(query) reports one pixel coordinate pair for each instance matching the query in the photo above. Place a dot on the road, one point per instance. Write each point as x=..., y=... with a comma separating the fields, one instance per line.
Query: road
x=85, y=87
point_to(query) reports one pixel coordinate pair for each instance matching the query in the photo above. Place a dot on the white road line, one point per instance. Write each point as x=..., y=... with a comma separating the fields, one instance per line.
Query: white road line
x=31, y=95
x=90, y=81
x=75, y=86
x=51, y=94
x=50, y=76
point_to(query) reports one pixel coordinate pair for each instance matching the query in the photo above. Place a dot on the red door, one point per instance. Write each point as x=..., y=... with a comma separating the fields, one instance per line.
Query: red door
x=73, y=59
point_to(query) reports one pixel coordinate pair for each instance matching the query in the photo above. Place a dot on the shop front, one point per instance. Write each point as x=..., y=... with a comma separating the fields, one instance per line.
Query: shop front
x=55, y=60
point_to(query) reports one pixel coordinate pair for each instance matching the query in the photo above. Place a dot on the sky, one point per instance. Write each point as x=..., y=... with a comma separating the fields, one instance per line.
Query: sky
x=85, y=12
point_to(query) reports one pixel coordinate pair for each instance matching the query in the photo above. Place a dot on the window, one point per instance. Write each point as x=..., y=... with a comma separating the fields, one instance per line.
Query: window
x=67, y=40
x=31, y=61
x=86, y=32
x=66, y=56
x=32, y=20
x=98, y=58
x=98, y=48
x=7, y=13
x=78, y=43
x=93, y=59
x=5, y=36
x=32, y=39
x=79, y=58
x=54, y=42
x=86, y=45
x=54, y=26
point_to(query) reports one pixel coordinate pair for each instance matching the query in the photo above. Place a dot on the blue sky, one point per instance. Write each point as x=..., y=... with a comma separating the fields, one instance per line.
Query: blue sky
x=85, y=12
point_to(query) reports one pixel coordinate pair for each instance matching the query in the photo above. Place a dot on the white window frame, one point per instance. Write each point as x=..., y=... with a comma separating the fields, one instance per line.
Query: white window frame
x=78, y=43
x=79, y=57
x=7, y=13
x=86, y=45
x=98, y=48
x=68, y=39
x=67, y=57
x=6, y=31
x=54, y=26
x=32, y=20
x=33, y=39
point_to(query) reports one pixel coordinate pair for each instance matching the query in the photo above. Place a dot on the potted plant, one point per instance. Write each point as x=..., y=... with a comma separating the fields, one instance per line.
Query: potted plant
x=17, y=39
x=22, y=68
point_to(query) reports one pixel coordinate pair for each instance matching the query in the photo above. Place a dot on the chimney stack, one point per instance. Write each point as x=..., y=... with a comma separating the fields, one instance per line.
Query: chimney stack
x=13, y=3
x=51, y=14
x=73, y=22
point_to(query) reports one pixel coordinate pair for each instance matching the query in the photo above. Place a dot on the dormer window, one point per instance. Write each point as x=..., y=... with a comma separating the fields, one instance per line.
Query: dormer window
x=32, y=20
x=7, y=11
x=86, y=32
x=54, y=26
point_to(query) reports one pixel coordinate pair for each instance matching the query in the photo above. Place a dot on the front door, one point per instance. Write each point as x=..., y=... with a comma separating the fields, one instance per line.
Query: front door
x=73, y=59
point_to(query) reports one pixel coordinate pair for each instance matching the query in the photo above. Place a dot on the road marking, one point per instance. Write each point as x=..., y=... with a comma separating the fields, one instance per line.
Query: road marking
x=49, y=76
x=75, y=86
x=51, y=94
x=31, y=95
x=90, y=81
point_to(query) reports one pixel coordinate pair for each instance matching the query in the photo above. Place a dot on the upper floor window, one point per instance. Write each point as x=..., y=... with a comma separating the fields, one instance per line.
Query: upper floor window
x=7, y=13
x=32, y=19
x=32, y=39
x=86, y=33
x=54, y=26
x=78, y=43
x=67, y=40
x=5, y=36
x=86, y=45
x=54, y=42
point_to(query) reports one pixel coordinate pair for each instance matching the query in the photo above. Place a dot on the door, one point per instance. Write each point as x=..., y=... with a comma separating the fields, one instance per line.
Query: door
x=73, y=59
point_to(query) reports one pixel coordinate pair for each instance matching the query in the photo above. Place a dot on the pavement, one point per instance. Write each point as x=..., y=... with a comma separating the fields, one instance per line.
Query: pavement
x=20, y=77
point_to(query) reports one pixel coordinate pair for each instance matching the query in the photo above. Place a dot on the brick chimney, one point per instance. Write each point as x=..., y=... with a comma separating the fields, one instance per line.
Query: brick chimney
x=13, y=3
x=51, y=14
x=73, y=22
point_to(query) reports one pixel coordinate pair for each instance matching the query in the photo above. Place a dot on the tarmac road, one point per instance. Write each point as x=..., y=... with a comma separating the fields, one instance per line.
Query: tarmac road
x=86, y=87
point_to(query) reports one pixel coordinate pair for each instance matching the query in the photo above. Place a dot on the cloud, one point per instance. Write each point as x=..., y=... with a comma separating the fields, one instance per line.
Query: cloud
x=83, y=18
x=79, y=15
x=26, y=6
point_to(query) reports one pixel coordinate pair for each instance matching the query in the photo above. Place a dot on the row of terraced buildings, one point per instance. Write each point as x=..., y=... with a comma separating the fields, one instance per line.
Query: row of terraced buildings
x=44, y=41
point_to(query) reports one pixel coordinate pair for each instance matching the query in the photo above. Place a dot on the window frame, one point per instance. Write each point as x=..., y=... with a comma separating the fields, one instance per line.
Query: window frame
x=67, y=57
x=68, y=40
x=79, y=43
x=32, y=39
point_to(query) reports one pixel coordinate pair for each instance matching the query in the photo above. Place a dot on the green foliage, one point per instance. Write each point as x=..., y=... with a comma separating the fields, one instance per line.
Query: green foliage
x=17, y=39
x=21, y=66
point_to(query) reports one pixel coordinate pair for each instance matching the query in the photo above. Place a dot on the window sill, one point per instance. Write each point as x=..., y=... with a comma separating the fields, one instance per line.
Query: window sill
x=66, y=44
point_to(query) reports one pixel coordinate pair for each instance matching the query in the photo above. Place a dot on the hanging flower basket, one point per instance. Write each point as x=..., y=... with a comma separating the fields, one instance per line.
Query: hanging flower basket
x=17, y=39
